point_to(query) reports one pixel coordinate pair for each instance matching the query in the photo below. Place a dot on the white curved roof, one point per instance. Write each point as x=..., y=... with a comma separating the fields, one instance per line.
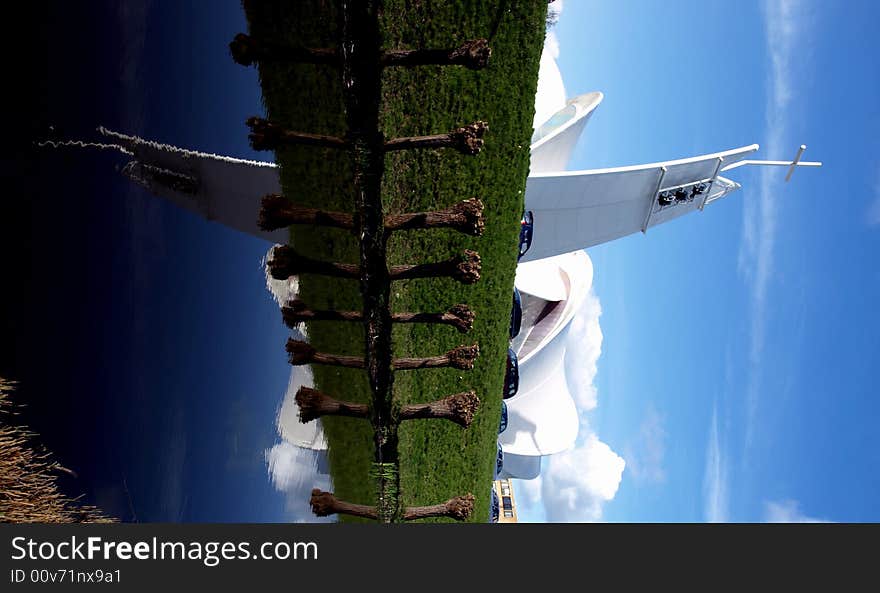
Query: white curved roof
x=228, y=189
x=566, y=278
x=542, y=418
x=549, y=278
x=553, y=141
x=580, y=209
x=521, y=467
x=551, y=95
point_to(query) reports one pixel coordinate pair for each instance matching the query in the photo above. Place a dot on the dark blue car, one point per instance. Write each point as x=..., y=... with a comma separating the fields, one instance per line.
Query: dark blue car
x=527, y=225
x=499, y=463
x=511, y=377
x=494, y=511
x=515, y=314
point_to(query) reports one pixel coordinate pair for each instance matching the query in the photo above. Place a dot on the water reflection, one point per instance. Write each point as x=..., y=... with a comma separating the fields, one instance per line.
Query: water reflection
x=294, y=471
x=299, y=462
x=150, y=358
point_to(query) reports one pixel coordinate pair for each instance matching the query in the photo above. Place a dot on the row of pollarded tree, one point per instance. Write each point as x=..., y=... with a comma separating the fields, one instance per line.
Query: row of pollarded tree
x=360, y=60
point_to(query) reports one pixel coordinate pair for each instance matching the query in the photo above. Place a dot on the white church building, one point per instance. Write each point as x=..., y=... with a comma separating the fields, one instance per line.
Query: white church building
x=572, y=210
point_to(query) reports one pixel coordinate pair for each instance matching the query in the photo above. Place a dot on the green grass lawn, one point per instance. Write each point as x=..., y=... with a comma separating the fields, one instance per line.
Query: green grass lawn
x=438, y=459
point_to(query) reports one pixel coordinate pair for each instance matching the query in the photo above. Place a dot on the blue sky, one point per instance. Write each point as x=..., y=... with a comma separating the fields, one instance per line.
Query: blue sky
x=730, y=354
x=738, y=345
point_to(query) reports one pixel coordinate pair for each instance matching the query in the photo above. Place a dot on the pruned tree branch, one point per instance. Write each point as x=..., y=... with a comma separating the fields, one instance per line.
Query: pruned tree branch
x=465, y=217
x=324, y=504
x=296, y=311
x=466, y=139
x=464, y=267
x=266, y=135
x=458, y=316
x=286, y=262
x=301, y=353
x=473, y=54
x=247, y=50
x=458, y=508
x=459, y=408
x=278, y=212
x=313, y=404
x=462, y=358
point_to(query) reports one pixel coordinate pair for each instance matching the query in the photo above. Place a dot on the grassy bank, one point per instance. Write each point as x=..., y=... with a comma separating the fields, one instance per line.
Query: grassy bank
x=438, y=459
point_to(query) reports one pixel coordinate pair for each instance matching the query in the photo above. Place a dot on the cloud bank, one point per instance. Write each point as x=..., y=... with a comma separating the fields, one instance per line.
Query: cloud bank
x=787, y=511
x=583, y=348
x=715, y=501
x=294, y=471
x=551, y=95
x=785, y=30
x=575, y=485
x=644, y=458
x=281, y=290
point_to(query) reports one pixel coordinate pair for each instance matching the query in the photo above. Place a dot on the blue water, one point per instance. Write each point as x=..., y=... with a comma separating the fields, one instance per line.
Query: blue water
x=150, y=355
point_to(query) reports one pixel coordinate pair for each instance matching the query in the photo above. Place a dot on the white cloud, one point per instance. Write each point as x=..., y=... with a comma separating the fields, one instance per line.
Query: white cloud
x=294, y=471
x=281, y=290
x=311, y=434
x=787, y=511
x=576, y=483
x=784, y=30
x=555, y=7
x=715, y=501
x=529, y=490
x=583, y=348
x=551, y=94
x=293, y=463
x=529, y=505
x=644, y=458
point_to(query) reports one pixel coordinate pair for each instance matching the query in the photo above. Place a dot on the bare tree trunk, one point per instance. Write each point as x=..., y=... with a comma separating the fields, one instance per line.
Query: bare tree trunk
x=466, y=139
x=278, y=212
x=465, y=217
x=472, y=54
x=459, y=408
x=463, y=357
x=286, y=262
x=460, y=358
x=465, y=268
x=458, y=508
x=313, y=404
x=303, y=353
x=458, y=316
x=324, y=504
x=266, y=135
x=246, y=50
x=297, y=311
